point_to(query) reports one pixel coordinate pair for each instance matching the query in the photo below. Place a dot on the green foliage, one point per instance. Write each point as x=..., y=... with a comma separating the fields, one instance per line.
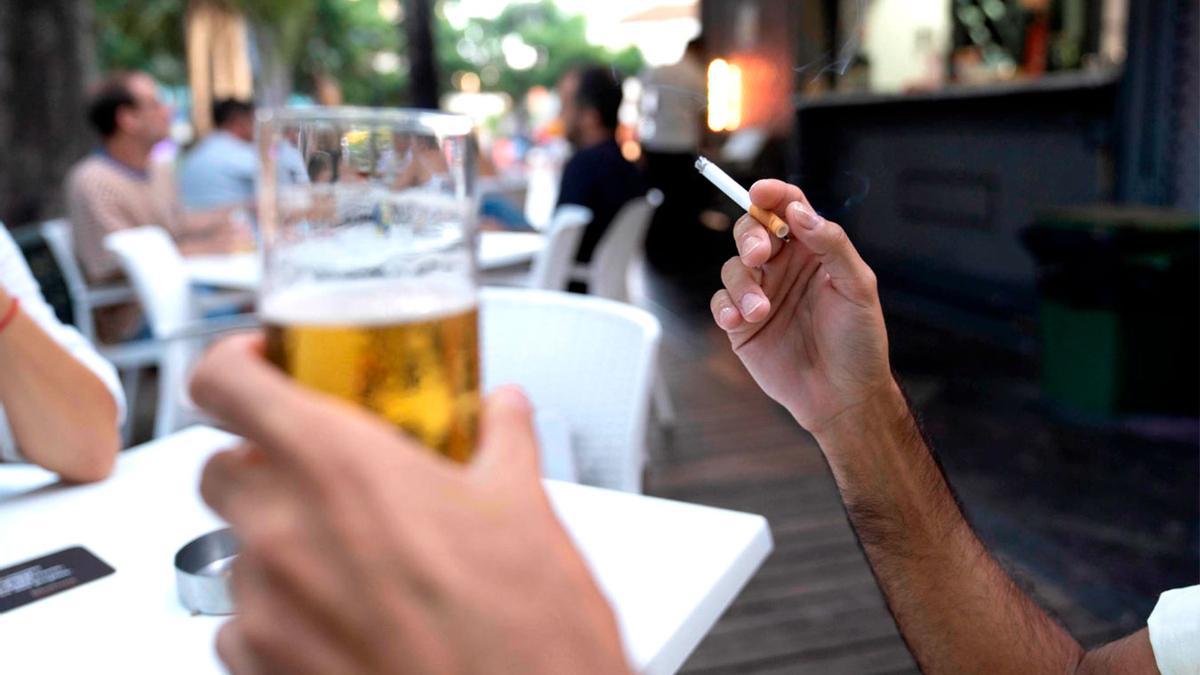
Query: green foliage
x=146, y=35
x=560, y=39
x=343, y=44
x=341, y=39
x=287, y=20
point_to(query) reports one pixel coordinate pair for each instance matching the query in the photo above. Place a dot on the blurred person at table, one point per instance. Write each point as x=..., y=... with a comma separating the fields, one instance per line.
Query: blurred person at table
x=671, y=107
x=320, y=167
x=292, y=168
x=119, y=187
x=355, y=540
x=804, y=317
x=60, y=402
x=222, y=168
x=597, y=175
x=496, y=211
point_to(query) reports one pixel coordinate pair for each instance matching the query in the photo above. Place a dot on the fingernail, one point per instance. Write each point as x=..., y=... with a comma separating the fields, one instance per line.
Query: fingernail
x=726, y=316
x=751, y=302
x=803, y=215
x=749, y=244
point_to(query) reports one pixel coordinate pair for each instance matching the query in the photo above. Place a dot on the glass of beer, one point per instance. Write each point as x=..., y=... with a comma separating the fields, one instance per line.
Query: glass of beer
x=369, y=289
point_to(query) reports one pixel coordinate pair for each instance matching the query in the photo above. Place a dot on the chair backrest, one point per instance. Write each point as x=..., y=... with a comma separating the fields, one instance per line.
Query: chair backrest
x=57, y=235
x=552, y=267
x=155, y=268
x=620, y=246
x=588, y=359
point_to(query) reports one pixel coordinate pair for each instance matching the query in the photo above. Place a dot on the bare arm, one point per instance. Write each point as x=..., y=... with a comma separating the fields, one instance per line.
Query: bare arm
x=62, y=416
x=805, y=320
x=956, y=608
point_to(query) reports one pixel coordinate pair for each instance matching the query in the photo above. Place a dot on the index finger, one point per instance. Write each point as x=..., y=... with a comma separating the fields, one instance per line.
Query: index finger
x=755, y=244
x=774, y=195
x=301, y=429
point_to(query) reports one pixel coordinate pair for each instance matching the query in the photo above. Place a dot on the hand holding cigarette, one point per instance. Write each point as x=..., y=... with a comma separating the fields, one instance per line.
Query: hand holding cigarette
x=803, y=317
x=739, y=194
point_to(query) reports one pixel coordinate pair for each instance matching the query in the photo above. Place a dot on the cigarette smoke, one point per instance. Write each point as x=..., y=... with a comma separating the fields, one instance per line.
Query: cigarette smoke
x=840, y=61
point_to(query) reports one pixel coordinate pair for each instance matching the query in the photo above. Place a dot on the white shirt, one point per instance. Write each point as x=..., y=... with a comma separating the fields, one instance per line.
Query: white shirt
x=1175, y=631
x=18, y=282
x=672, y=99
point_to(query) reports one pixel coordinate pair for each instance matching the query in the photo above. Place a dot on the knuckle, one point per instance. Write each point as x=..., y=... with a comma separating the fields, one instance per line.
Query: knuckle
x=730, y=269
x=870, y=280
x=227, y=639
x=258, y=632
x=740, y=225
x=837, y=233
x=268, y=540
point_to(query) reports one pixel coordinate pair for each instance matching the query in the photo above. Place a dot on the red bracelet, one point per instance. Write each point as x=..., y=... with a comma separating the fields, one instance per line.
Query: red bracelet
x=10, y=314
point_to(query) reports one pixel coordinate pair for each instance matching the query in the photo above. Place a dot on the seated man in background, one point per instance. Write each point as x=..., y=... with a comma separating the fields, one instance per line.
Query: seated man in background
x=60, y=402
x=118, y=187
x=221, y=169
x=382, y=557
x=597, y=175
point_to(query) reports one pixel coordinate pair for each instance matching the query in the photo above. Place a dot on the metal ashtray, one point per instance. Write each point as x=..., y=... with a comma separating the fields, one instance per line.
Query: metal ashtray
x=202, y=570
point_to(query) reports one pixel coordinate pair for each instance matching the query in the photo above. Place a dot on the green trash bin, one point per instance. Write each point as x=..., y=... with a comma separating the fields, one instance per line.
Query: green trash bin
x=1119, y=310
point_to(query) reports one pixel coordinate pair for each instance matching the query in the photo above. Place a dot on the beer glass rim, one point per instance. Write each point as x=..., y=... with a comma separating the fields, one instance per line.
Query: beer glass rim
x=407, y=120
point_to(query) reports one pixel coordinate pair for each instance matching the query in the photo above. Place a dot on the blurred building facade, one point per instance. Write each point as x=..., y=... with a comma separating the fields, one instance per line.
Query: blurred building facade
x=937, y=172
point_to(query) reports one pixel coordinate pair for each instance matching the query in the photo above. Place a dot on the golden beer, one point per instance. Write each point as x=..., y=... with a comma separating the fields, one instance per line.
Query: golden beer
x=417, y=369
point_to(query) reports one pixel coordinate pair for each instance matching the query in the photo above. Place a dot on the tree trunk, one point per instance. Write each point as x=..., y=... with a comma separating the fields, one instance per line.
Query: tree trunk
x=274, y=76
x=47, y=58
x=418, y=26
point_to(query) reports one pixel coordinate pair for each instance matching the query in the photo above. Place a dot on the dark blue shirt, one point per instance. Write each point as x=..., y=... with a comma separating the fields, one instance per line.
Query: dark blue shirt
x=599, y=178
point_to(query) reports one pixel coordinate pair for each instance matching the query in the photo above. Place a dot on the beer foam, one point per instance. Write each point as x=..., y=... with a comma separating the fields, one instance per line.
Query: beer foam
x=367, y=302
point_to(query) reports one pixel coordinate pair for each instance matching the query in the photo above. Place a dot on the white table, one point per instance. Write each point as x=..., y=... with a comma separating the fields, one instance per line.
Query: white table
x=241, y=271
x=669, y=569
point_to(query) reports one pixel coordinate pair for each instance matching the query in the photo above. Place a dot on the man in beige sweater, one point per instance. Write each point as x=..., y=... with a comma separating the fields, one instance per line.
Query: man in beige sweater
x=119, y=187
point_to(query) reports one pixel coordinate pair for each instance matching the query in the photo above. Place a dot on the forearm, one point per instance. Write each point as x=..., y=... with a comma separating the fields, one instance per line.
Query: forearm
x=957, y=610
x=201, y=224
x=61, y=415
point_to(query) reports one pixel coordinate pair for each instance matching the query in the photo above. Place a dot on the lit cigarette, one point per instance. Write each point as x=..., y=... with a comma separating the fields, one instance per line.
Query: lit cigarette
x=737, y=193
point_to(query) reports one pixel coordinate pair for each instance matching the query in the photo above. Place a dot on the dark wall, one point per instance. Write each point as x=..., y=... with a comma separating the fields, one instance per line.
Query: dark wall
x=1158, y=157
x=936, y=189
x=46, y=59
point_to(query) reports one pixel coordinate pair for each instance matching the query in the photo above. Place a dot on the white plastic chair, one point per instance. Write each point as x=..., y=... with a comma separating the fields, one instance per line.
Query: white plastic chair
x=129, y=358
x=155, y=269
x=551, y=269
x=615, y=257
x=589, y=359
x=621, y=246
x=84, y=298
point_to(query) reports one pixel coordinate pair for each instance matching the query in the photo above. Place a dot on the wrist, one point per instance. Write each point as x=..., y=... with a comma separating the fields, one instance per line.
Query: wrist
x=882, y=416
x=9, y=307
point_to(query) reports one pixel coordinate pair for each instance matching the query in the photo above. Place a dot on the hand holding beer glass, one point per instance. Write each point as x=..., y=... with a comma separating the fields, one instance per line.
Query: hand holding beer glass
x=369, y=289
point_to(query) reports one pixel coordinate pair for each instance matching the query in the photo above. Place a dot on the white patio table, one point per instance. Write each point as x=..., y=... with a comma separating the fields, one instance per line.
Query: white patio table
x=668, y=568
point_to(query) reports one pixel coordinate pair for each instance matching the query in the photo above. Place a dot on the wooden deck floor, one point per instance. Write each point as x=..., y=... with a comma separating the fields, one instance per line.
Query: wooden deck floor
x=814, y=606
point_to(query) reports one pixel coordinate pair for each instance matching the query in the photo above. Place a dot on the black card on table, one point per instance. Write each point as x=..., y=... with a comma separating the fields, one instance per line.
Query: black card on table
x=33, y=580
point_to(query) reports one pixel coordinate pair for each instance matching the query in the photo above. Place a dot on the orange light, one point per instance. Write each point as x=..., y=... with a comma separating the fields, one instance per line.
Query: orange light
x=631, y=150
x=724, y=95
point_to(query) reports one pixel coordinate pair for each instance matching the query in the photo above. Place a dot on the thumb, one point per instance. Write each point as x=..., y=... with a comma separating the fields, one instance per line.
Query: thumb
x=507, y=443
